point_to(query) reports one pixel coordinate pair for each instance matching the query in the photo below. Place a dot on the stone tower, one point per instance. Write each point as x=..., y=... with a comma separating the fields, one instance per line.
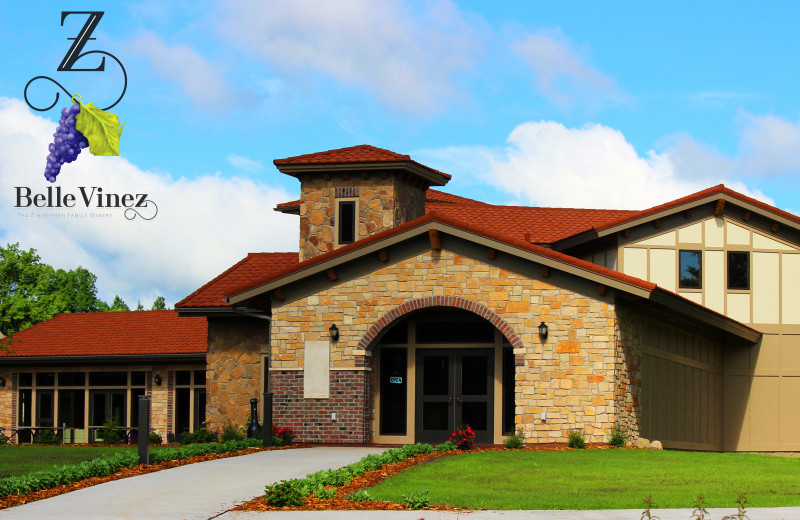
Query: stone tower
x=351, y=193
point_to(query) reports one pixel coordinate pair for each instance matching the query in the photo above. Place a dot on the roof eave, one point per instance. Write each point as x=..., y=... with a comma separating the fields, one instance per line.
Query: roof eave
x=94, y=359
x=432, y=177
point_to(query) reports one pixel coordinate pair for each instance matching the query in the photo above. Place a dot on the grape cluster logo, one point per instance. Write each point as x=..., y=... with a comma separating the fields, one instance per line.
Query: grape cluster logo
x=83, y=125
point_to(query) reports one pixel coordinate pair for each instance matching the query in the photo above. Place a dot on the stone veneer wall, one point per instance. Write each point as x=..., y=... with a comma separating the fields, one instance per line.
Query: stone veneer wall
x=7, y=401
x=383, y=203
x=570, y=376
x=233, y=373
x=629, y=370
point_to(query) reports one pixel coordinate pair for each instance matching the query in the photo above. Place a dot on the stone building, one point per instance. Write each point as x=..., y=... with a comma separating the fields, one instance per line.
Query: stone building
x=407, y=311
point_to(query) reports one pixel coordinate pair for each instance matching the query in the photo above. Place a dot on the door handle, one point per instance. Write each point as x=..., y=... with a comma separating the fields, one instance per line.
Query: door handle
x=450, y=400
x=458, y=400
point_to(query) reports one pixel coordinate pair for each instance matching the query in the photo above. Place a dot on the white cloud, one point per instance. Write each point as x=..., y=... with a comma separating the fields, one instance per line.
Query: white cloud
x=769, y=144
x=407, y=61
x=197, y=77
x=245, y=163
x=562, y=74
x=549, y=164
x=203, y=225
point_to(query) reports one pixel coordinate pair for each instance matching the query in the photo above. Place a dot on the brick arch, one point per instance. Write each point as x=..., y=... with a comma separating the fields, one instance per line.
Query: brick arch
x=379, y=328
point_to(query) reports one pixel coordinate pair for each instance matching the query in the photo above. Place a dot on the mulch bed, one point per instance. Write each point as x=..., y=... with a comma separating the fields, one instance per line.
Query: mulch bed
x=372, y=478
x=15, y=500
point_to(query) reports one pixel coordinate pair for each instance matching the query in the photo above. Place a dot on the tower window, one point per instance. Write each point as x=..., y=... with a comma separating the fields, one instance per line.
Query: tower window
x=346, y=222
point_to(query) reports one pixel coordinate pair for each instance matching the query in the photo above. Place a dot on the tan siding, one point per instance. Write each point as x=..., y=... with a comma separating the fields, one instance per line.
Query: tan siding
x=762, y=242
x=694, y=296
x=692, y=234
x=738, y=306
x=736, y=235
x=715, y=232
x=790, y=288
x=635, y=262
x=714, y=280
x=664, y=239
x=766, y=287
x=663, y=268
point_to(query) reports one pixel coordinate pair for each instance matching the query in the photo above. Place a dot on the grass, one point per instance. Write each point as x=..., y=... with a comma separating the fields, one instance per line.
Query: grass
x=20, y=460
x=598, y=479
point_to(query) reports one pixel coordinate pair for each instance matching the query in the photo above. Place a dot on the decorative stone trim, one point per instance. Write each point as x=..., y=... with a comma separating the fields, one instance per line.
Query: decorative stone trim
x=379, y=327
x=346, y=192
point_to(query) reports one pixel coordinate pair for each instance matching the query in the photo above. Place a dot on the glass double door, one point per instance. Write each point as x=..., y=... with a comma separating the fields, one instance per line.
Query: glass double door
x=454, y=388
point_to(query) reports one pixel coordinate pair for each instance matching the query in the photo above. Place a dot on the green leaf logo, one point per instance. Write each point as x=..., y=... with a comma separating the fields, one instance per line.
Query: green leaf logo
x=100, y=128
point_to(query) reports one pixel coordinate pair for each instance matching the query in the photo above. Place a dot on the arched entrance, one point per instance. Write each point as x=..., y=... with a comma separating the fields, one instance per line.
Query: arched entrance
x=436, y=368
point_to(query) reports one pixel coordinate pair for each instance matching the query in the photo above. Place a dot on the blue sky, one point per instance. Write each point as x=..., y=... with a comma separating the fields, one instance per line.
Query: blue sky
x=624, y=105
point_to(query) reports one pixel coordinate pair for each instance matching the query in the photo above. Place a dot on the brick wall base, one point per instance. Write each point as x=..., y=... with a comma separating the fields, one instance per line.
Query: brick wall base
x=311, y=418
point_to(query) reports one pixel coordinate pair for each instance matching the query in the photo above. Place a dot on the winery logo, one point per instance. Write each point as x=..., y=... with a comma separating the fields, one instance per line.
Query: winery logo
x=83, y=125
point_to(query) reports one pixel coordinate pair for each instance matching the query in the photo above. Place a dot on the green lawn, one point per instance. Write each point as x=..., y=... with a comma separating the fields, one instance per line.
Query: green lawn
x=19, y=460
x=598, y=479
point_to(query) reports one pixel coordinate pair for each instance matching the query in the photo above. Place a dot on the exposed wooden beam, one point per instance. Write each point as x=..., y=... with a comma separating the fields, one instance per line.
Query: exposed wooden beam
x=308, y=177
x=436, y=241
x=657, y=222
x=331, y=274
x=747, y=215
x=775, y=227
x=326, y=176
x=492, y=254
x=687, y=213
x=278, y=293
x=719, y=208
x=383, y=255
x=384, y=175
x=601, y=289
x=346, y=176
x=545, y=271
x=364, y=176
x=626, y=233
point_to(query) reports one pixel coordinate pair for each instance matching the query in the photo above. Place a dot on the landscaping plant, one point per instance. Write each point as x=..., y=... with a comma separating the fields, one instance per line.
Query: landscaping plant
x=700, y=510
x=417, y=499
x=577, y=439
x=3, y=439
x=359, y=496
x=446, y=446
x=741, y=513
x=514, y=441
x=201, y=436
x=48, y=437
x=231, y=433
x=286, y=493
x=648, y=503
x=111, y=434
x=155, y=438
x=282, y=436
x=464, y=438
x=619, y=436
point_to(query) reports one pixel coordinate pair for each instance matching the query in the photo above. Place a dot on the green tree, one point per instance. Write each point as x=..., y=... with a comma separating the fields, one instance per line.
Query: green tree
x=159, y=305
x=139, y=306
x=119, y=305
x=32, y=291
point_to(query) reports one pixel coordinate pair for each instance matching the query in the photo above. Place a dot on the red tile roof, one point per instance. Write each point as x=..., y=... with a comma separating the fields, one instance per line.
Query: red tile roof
x=363, y=153
x=432, y=198
x=253, y=266
x=719, y=189
x=111, y=333
x=475, y=227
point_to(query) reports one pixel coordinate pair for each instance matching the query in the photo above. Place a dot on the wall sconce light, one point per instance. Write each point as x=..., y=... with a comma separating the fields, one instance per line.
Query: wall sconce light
x=2, y=381
x=334, y=330
x=543, y=330
x=157, y=379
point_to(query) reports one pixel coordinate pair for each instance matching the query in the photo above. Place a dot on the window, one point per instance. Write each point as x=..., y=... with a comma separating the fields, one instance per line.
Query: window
x=738, y=270
x=346, y=222
x=691, y=270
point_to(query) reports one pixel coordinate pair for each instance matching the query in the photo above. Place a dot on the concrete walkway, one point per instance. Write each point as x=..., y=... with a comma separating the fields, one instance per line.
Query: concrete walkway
x=195, y=491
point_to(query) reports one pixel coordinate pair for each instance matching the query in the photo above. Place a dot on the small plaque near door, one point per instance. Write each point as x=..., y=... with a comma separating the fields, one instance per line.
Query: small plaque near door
x=396, y=380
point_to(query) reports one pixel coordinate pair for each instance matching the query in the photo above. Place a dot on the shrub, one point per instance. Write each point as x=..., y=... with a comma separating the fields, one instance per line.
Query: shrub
x=323, y=493
x=417, y=499
x=111, y=434
x=464, y=438
x=577, y=439
x=282, y=436
x=231, y=433
x=173, y=439
x=618, y=436
x=201, y=436
x=446, y=446
x=359, y=496
x=514, y=441
x=3, y=439
x=48, y=437
x=155, y=438
x=286, y=493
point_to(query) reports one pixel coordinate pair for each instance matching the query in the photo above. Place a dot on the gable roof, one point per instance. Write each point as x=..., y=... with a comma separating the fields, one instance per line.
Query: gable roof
x=126, y=333
x=486, y=235
x=251, y=267
x=359, y=157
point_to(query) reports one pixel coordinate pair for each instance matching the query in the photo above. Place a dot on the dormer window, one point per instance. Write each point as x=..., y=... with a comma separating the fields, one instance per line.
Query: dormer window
x=346, y=211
